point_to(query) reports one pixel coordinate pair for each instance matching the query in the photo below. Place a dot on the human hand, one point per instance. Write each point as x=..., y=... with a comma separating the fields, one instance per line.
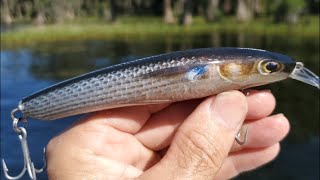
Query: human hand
x=184, y=140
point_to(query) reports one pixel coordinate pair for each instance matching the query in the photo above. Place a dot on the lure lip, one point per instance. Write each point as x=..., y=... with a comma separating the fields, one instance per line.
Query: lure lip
x=303, y=74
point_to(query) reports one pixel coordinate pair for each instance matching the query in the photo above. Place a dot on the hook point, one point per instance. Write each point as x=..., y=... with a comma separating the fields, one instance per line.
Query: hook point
x=241, y=142
x=5, y=168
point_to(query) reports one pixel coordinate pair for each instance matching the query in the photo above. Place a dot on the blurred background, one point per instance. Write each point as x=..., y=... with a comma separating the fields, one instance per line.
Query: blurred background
x=46, y=41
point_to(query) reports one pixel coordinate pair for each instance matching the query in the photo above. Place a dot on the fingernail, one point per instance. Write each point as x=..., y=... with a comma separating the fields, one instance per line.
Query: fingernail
x=280, y=117
x=229, y=109
x=250, y=92
x=247, y=92
x=266, y=90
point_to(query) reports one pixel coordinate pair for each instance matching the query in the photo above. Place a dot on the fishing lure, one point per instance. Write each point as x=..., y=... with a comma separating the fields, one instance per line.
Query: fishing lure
x=163, y=78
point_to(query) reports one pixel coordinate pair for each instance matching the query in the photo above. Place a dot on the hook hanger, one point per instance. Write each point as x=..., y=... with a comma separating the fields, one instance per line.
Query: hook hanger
x=28, y=164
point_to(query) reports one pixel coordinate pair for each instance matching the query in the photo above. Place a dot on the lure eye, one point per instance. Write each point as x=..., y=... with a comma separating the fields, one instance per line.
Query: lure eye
x=272, y=66
x=268, y=66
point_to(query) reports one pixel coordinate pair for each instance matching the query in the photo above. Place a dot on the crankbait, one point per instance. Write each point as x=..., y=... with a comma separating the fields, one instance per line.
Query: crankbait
x=164, y=78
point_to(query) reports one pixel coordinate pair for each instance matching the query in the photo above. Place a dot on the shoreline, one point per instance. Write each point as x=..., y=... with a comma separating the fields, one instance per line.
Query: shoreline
x=131, y=28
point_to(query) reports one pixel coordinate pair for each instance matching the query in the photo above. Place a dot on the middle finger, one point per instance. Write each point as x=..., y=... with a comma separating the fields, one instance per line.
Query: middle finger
x=159, y=130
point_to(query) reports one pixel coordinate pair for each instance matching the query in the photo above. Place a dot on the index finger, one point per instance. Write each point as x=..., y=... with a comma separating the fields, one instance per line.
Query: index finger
x=126, y=119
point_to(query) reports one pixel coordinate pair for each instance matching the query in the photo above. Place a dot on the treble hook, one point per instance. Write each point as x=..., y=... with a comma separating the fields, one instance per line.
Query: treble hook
x=28, y=164
x=239, y=134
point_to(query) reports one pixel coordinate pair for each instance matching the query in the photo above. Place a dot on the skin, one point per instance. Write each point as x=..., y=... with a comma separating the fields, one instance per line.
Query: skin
x=184, y=140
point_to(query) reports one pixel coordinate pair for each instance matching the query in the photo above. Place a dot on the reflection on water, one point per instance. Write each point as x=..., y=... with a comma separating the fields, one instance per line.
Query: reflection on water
x=24, y=71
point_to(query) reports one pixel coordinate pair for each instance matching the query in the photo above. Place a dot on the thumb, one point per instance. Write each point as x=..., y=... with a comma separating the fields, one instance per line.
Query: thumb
x=204, y=140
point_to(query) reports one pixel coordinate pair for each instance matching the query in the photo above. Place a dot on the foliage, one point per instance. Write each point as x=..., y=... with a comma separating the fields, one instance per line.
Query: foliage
x=90, y=19
x=59, y=11
x=146, y=27
x=286, y=10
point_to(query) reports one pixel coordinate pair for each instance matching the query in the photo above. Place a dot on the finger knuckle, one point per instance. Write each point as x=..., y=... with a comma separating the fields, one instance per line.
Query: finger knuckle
x=199, y=150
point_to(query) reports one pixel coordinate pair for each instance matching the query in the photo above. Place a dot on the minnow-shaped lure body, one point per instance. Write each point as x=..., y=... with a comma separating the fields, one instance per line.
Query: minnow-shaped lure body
x=164, y=78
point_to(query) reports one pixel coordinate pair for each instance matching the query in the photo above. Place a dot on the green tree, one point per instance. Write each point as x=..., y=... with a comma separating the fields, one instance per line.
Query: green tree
x=39, y=16
x=227, y=6
x=212, y=10
x=5, y=12
x=168, y=14
x=186, y=18
x=244, y=10
x=313, y=6
x=288, y=11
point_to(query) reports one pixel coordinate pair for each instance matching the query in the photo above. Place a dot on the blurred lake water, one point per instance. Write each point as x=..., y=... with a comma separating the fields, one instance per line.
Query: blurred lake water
x=29, y=69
